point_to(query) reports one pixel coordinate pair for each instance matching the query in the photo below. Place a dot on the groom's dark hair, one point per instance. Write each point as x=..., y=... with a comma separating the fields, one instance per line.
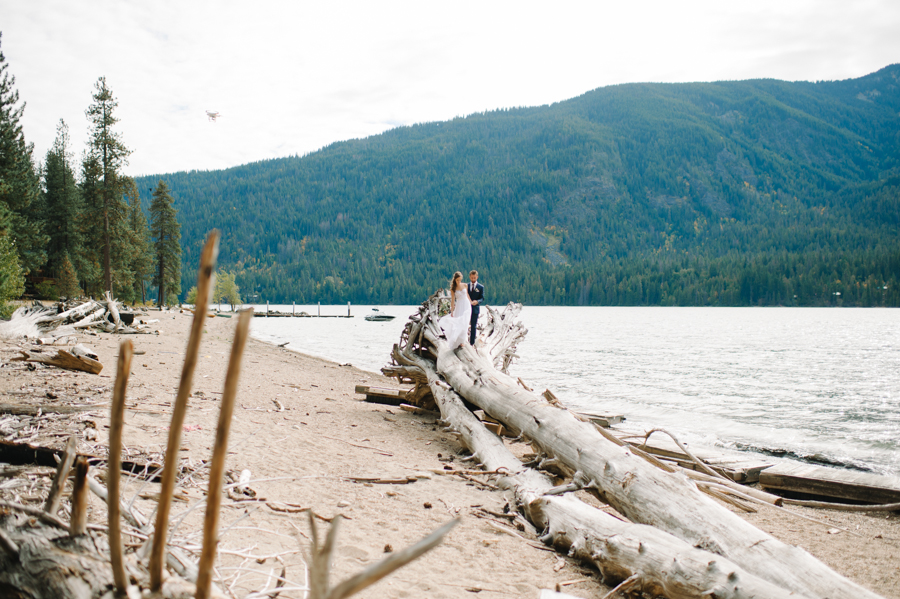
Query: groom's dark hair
x=473, y=272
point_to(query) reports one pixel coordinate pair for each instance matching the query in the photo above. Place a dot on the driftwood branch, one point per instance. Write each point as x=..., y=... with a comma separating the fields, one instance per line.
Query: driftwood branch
x=220, y=451
x=62, y=473
x=204, y=281
x=321, y=557
x=114, y=467
x=78, y=523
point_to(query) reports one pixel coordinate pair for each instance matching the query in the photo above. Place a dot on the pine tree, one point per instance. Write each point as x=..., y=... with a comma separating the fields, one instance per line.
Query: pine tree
x=90, y=269
x=63, y=206
x=166, y=233
x=110, y=153
x=12, y=282
x=19, y=183
x=67, y=280
x=141, y=259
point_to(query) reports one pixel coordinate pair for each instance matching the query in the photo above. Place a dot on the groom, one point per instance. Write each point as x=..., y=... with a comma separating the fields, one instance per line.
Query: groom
x=476, y=294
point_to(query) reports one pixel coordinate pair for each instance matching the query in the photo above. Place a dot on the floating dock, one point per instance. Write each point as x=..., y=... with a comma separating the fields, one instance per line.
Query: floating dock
x=293, y=313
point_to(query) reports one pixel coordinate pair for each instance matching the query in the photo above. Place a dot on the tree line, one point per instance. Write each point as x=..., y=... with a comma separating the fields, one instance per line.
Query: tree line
x=71, y=226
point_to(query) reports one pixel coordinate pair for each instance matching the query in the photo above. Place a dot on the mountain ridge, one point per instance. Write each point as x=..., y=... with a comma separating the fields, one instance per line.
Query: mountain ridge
x=605, y=198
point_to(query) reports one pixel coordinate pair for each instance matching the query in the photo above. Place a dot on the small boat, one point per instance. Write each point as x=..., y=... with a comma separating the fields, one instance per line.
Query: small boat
x=378, y=316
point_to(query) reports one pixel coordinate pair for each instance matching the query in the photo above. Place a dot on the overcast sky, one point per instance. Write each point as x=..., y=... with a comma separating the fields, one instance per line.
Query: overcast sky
x=290, y=77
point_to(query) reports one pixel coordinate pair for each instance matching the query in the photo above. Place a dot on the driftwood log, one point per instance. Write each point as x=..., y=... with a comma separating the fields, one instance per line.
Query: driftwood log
x=52, y=327
x=660, y=564
x=642, y=492
x=68, y=360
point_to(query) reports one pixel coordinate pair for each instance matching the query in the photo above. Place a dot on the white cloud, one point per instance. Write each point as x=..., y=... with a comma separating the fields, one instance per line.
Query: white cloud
x=291, y=77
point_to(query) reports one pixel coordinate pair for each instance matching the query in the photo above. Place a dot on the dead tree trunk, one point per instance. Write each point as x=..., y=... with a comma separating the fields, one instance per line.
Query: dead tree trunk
x=640, y=491
x=662, y=564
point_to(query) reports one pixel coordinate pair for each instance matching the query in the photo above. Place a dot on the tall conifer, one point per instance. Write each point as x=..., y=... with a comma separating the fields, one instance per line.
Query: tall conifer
x=63, y=206
x=19, y=183
x=91, y=269
x=107, y=149
x=141, y=260
x=166, y=233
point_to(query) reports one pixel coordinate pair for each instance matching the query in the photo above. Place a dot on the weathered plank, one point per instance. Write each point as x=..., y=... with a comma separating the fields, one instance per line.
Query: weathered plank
x=831, y=482
x=604, y=420
x=383, y=395
x=21, y=409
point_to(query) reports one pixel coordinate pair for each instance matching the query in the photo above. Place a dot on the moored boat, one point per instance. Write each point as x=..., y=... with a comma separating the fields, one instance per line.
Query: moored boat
x=378, y=316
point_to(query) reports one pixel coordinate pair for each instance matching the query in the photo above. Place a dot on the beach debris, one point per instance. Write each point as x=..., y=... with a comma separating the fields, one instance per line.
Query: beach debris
x=159, y=564
x=61, y=325
x=403, y=480
x=668, y=513
x=69, y=360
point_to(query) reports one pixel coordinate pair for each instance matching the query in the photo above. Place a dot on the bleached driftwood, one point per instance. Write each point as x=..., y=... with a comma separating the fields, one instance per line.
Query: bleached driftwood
x=113, y=311
x=51, y=327
x=62, y=359
x=619, y=549
x=643, y=493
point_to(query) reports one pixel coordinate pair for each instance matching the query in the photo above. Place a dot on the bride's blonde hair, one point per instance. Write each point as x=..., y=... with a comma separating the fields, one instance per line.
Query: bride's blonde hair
x=457, y=277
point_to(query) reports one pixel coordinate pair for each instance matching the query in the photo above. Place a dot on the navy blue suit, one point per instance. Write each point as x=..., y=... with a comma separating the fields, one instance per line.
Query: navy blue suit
x=476, y=293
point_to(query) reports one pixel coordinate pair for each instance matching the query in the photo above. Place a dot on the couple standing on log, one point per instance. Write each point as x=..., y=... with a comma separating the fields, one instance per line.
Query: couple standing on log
x=465, y=302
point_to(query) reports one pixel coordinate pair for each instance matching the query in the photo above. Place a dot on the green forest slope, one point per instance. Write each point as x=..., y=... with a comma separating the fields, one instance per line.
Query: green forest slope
x=756, y=192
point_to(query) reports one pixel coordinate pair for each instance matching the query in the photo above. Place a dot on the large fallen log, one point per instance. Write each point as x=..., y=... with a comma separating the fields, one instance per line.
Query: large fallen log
x=659, y=563
x=637, y=489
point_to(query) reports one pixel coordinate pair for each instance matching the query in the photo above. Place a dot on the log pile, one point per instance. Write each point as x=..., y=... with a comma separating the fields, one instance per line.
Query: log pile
x=52, y=326
x=678, y=541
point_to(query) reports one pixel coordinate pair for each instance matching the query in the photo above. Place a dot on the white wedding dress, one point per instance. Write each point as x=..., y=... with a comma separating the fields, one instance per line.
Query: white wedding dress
x=456, y=325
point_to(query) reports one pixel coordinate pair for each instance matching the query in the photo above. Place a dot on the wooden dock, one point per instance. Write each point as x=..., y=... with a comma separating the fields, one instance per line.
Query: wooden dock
x=835, y=483
x=737, y=467
x=293, y=313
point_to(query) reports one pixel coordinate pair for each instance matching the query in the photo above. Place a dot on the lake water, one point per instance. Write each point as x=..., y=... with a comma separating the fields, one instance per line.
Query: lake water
x=816, y=383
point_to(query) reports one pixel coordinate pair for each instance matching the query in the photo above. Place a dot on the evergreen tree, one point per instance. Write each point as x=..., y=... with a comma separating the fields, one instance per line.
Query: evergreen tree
x=62, y=207
x=19, y=183
x=90, y=269
x=67, y=281
x=141, y=265
x=166, y=233
x=107, y=149
x=12, y=282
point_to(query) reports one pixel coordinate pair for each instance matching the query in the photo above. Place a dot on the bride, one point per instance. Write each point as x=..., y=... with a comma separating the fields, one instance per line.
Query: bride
x=456, y=324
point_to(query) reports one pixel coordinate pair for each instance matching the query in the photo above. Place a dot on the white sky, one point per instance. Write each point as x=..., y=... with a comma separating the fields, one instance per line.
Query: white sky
x=290, y=77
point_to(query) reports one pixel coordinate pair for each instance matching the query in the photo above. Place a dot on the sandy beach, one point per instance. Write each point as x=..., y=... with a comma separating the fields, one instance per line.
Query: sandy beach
x=303, y=434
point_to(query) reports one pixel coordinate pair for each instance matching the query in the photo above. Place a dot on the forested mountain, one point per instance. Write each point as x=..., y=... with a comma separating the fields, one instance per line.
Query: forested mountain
x=755, y=192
